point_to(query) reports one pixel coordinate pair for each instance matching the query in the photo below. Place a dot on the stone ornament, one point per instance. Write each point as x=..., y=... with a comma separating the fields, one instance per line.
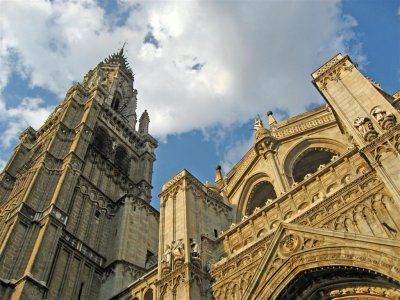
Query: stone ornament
x=173, y=257
x=366, y=290
x=289, y=244
x=385, y=120
x=178, y=252
x=166, y=260
x=195, y=252
x=264, y=143
x=365, y=127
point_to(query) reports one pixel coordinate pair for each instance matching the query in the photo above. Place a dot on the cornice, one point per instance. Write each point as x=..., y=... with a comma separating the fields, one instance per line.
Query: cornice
x=137, y=282
x=304, y=127
x=129, y=198
x=172, y=182
x=329, y=66
x=176, y=183
x=332, y=71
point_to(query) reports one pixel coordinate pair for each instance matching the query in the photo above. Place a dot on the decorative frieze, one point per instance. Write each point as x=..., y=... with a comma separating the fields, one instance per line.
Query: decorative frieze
x=328, y=65
x=332, y=71
x=301, y=128
x=365, y=291
x=97, y=197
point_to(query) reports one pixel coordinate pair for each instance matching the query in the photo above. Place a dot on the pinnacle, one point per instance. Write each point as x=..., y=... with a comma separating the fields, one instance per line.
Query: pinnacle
x=118, y=58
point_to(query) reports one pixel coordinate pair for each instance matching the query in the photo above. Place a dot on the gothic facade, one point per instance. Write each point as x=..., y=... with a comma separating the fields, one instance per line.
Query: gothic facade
x=312, y=211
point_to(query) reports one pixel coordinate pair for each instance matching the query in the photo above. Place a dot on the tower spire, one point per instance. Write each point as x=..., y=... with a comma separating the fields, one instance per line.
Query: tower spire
x=118, y=58
x=121, y=52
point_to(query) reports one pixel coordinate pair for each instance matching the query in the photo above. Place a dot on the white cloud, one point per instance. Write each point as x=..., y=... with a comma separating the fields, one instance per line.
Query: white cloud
x=30, y=112
x=255, y=55
x=236, y=152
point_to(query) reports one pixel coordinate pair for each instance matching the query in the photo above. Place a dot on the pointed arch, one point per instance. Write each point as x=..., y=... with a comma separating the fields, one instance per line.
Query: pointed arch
x=257, y=191
x=148, y=295
x=116, y=102
x=101, y=141
x=334, y=259
x=308, y=154
x=121, y=159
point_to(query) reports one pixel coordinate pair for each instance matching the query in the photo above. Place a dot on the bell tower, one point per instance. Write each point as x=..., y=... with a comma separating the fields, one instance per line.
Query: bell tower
x=75, y=214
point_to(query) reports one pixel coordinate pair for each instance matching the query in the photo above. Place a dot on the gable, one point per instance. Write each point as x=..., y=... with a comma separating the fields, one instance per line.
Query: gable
x=298, y=248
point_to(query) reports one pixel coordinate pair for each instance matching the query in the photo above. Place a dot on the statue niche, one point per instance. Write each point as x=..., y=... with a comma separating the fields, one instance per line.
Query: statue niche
x=173, y=257
x=195, y=253
x=384, y=119
x=365, y=127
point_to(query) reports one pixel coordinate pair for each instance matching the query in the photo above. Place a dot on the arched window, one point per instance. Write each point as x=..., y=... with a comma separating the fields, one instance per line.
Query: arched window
x=261, y=192
x=121, y=159
x=101, y=141
x=116, y=101
x=148, y=295
x=309, y=162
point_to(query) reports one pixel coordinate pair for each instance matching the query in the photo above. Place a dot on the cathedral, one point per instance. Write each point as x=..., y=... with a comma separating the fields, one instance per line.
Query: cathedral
x=311, y=211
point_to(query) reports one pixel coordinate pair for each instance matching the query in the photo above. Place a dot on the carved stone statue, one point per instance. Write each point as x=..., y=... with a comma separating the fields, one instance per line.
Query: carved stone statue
x=178, y=252
x=178, y=248
x=194, y=248
x=260, y=130
x=385, y=120
x=365, y=127
x=166, y=261
x=195, y=253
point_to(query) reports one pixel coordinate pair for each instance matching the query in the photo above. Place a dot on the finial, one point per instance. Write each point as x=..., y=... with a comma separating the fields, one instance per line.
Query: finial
x=271, y=118
x=218, y=174
x=258, y=124
x=121, y=52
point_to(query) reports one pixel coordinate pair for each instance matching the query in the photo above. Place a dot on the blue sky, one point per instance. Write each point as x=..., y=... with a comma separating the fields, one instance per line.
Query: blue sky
x=204, y=69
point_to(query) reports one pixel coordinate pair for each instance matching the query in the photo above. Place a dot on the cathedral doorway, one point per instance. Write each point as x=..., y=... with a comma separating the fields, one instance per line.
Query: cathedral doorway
x=339, y=282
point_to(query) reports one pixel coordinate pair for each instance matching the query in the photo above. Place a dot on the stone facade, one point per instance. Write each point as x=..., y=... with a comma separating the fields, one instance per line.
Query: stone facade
x=75, y=214
x=312, y=211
